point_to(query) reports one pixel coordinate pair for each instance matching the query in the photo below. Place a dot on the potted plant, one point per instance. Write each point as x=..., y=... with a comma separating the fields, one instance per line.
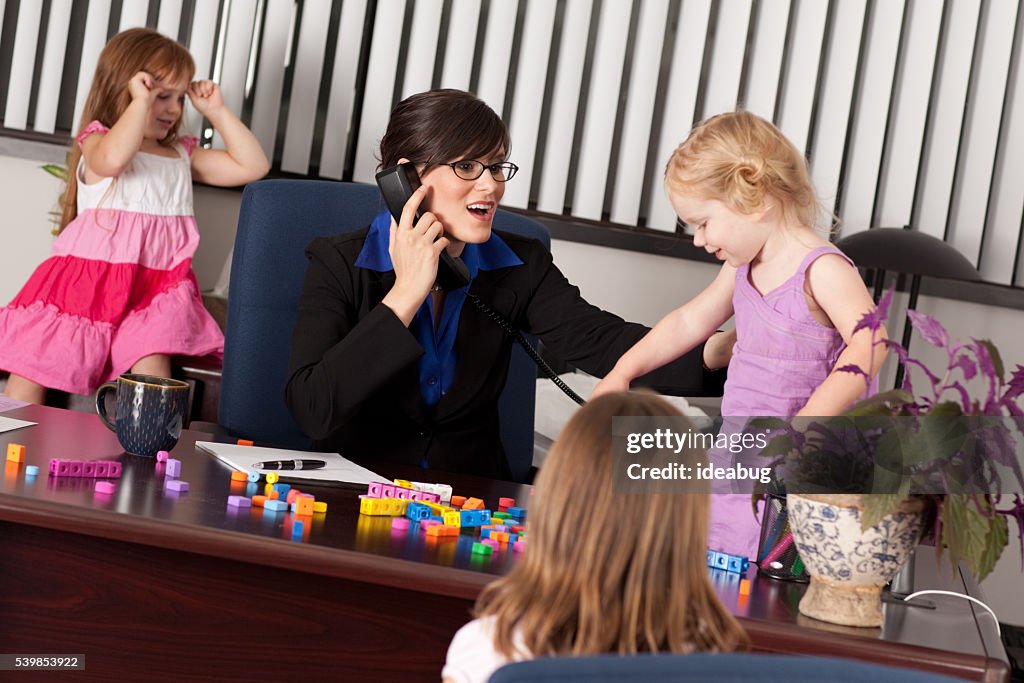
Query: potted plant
x=864, y=486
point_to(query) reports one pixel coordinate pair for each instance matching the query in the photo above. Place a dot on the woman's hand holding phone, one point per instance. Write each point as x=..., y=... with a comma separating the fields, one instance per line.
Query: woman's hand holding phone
x=415, y=247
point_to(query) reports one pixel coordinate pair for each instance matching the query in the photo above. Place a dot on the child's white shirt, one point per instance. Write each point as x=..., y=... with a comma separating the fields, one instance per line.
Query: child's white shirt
x=472, y=657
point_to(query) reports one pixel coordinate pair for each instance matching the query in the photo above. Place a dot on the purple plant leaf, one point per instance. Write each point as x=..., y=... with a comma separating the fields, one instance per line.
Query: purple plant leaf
x=856, y=370
x=990, y=367
x=966, y=365
x=1017, y=513
x=873, y=320
x=1016, y=384
x=965, y=397
x=930, y=328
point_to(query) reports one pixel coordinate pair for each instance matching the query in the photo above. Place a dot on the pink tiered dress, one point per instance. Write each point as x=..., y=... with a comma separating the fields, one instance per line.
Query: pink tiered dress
x=119, y=284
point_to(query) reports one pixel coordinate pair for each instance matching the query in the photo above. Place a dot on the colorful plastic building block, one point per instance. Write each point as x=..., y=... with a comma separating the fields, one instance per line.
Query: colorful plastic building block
x=176, y=485
x=76, y=468
x=506, y=502
x=458, y=501
x=173, y=468
x=304, y=504
x=104, y=487
x=239, y=476
x=275, y=505
x=400, y=523
x=253, y=476
x=272, y=477
x=736, y=564
x=319, y=506
x=517, y=512
x=482, y=549
x=473, y=504
x=31, y=470
x=258, y=500
x=161, y=456
x=519, y=546
x=244, y=442
x=15, y=452
x=239, y=502
x=298, y=527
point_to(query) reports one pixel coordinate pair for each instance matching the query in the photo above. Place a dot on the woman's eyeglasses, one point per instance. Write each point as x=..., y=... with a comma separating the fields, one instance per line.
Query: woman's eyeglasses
x=470, y=169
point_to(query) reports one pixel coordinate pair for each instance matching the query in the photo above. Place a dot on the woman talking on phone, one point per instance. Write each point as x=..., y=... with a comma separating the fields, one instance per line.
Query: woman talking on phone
x=385, y=363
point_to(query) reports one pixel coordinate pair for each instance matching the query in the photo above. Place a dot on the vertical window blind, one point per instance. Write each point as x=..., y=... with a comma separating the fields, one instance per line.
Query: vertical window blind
x=910, y=111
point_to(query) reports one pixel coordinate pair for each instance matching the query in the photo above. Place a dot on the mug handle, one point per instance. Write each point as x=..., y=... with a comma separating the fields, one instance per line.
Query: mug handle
x=101, y=404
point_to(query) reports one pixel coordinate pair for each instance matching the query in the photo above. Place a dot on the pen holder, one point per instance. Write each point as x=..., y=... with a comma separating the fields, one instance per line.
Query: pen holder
x=777, y=555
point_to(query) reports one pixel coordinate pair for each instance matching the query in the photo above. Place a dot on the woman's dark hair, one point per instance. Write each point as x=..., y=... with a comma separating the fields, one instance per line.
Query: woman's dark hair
x=442, y=125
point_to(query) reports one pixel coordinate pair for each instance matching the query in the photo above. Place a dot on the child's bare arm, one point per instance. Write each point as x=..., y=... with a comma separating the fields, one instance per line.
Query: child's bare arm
x=243, y=161
x=841, y=293
x=108, y=154
x=675, y=334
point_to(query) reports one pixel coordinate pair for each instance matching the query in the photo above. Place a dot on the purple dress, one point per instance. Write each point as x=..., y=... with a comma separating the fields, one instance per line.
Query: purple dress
x=782, y=354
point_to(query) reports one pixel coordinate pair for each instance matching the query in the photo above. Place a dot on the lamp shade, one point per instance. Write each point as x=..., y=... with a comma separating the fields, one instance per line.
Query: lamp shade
x=907, y=251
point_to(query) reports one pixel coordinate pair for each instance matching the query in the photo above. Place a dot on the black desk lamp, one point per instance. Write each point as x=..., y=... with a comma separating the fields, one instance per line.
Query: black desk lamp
x=902, y=250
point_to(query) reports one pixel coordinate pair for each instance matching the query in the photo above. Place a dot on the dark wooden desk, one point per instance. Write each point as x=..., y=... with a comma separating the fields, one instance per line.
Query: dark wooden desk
x=153, y=586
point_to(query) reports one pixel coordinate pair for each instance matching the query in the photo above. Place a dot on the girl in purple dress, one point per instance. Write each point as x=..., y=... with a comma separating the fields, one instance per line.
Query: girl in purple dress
x=745, y=190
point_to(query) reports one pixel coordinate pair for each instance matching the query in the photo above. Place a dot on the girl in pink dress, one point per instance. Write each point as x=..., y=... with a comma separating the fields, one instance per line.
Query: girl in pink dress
x=746, y=191
x=118, y=292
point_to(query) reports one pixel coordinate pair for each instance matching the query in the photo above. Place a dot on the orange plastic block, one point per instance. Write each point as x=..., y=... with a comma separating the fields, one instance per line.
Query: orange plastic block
x=244, y=442
x=273, y=495
x=436, y=530
x=500, y=536
x=449, y=530
x=506, y=502
x=473, y=504
x=458, y=501
x=257, y=501
x=239, y=476
x=15, y=452
x=304, y=505
x=745, y=587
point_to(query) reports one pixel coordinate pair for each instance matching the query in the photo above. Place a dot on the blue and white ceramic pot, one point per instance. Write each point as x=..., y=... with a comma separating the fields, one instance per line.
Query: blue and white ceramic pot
x=848, y=566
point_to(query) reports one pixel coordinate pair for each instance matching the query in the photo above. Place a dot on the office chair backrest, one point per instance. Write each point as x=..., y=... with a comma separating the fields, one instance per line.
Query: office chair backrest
x=720, y=668
x=278, y=218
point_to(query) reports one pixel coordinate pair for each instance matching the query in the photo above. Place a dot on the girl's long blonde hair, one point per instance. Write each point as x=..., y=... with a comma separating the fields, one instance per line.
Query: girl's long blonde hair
x=127, y=53
x=741, y=159
x=604, y=572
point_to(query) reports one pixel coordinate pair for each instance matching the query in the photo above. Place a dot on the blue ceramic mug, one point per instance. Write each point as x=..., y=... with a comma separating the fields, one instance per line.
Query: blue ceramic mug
x=150, y=412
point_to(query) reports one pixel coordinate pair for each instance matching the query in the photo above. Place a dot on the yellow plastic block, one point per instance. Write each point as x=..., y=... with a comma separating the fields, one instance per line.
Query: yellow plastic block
x=15, y=452
x=453, y=519
x=319, y=506
x=272, y=477
x=405, y=484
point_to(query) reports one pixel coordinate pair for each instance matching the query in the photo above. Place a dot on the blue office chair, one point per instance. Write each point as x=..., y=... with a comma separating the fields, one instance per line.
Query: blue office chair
x=278, y=218
x=720, y=668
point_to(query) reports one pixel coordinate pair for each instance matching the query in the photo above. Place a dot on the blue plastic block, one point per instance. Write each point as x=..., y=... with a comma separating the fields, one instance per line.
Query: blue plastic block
x=517, y=512
x=485, y=517
x=298, y=527
x=275, y=505
x=282, y=489
x=254, y=475
x=730, y=563
x=31, y=470
x=485, y=533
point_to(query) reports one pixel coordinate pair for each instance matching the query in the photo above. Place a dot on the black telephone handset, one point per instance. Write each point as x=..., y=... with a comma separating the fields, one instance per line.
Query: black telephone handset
x=397, y=183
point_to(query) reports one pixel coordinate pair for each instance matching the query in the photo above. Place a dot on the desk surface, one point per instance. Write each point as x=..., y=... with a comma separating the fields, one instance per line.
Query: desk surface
x=384, y=605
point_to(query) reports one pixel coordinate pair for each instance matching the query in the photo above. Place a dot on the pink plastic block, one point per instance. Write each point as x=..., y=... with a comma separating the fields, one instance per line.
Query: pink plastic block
x=431, y=497
x=100, y=468
x=519, y=546
x=104, y=487
x=402, y=493
x=415, y=495
x=75, y=468
x=239, y=501
x=54, y=464
x=161, y=456
x=387, y=491
x=176, y=485
x=173, y=468
x=89, y=469
x=494, y=544
x=63, y=468
x=373, y=490
x=113, y=469
x=427, y=523
x=400, y=523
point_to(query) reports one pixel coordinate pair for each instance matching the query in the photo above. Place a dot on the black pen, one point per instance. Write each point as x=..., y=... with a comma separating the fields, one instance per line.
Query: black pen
x=290, y=465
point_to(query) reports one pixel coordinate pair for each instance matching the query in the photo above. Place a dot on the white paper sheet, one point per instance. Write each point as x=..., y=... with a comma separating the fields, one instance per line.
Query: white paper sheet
x=9, y=423
x=338, y=469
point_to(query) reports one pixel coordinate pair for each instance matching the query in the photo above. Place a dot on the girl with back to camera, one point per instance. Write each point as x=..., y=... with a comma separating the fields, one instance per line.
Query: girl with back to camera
x=118, y=292
x=746, y=191
x=604, y=572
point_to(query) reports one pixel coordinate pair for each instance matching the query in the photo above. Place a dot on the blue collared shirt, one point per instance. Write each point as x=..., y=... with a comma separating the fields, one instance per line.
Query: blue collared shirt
x=437, y=364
